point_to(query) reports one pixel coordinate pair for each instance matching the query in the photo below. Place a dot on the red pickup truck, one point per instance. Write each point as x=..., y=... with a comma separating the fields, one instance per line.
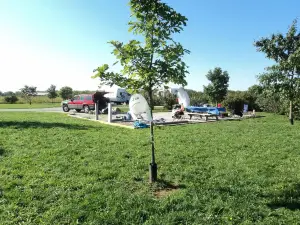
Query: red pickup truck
x=79, y=102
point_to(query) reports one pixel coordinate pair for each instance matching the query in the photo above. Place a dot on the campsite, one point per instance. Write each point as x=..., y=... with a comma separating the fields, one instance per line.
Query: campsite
x=153, y=112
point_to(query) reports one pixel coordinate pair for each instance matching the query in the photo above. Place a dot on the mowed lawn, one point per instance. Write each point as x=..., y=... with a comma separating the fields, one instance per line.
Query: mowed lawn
x=27, y=106
x=59, y=170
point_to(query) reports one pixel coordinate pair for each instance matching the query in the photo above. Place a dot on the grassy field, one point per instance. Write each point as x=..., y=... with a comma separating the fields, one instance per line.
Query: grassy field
x=59, y=170
x=35, y=100
x=27, y=106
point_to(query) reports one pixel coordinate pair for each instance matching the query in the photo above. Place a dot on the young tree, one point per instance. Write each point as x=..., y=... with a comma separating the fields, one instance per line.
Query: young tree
x=285, y=51
x=28, y=92
x=158, y=59
x=218, y=87
x=66, y=92
x=153, y=62
x=52, y=93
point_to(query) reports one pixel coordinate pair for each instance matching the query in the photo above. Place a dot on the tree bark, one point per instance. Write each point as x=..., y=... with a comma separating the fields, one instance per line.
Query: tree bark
x=150, y=93
x=291, y=113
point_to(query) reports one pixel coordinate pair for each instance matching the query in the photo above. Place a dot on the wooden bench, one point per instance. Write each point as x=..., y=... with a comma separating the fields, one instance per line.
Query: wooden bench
x=206, y=115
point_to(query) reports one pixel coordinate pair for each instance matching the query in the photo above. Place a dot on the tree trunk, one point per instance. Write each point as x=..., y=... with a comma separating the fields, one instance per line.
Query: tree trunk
x=150, y=93
x=291, y=113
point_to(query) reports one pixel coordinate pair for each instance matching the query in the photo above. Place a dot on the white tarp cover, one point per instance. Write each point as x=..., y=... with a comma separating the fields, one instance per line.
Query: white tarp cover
x=183, y=97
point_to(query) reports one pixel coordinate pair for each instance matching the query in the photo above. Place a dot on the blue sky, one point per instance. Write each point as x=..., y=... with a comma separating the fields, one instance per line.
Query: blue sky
x=60, y=42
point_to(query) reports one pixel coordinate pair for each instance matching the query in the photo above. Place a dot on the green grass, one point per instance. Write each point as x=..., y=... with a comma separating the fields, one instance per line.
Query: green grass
x=27, y=106
x=59, y=170
x=35, y=100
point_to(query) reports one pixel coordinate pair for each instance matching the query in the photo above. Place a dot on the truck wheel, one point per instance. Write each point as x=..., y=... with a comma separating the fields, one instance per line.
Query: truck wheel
x=65, y=108
x=86, y=109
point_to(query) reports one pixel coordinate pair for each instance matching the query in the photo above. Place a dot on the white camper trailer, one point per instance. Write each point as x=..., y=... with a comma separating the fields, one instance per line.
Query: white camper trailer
x=118, y=95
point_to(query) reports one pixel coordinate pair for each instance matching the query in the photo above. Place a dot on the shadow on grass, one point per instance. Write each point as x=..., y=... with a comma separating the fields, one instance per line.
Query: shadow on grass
x=289, y=199
x=35, y=124
x=2, y=151
x=163, y=184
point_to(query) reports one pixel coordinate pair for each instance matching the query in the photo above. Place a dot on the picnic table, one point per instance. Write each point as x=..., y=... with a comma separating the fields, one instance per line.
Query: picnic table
x=206, y=115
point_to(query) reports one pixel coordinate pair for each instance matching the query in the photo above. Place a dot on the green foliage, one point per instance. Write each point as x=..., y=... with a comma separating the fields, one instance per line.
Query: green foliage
x=8, y=93
x=169, y=100
x=272, y=102
x=66, y=92
x=155, y=61
x=235, y=100
x=52, y=93
x=11, y=99
x=283, y=49
x=218, y=87
x=28, y=92
x=249, y=175
x=197, y=97
x=284, y=77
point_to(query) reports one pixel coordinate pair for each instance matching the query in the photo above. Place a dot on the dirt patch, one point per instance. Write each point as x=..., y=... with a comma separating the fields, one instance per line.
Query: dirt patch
x=164, y=188
x=165, y=192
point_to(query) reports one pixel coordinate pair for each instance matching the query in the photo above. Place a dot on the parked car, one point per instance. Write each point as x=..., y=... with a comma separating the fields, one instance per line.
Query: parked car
x=79, y=102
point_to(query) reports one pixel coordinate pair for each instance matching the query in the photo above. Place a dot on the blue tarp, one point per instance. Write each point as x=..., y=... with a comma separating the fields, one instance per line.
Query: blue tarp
x=212, y=110
x=138, y=124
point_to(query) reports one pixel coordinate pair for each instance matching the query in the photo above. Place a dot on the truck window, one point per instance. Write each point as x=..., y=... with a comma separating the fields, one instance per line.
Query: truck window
x=81, y=98
x=88, y=98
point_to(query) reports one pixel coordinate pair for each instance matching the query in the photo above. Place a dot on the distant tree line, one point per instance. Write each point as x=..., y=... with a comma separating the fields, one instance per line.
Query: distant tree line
x=29, y=93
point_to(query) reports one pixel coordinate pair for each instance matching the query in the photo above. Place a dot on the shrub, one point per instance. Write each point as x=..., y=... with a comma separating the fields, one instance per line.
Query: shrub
x=197, y=97
x=235, y=100
x=169, y=100
x=11, y=99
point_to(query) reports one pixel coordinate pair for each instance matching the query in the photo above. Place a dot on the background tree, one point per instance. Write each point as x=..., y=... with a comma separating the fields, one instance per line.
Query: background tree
x=11, y=99
x=8, y=93
x=66, y=92
x=285, y=51
x=169, y=100
x=153, y=62
x=1, y=93
x=158, y=59
x=218, y=87
x=197, y=97
x=52, y=93
x=28, y=92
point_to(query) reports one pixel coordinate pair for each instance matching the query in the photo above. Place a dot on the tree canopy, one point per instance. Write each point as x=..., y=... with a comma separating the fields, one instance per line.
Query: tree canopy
x=218, y=87
x=283, y=77
x=66, y=92
x=52, y=93
x=28, y=92
x=155, y=61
